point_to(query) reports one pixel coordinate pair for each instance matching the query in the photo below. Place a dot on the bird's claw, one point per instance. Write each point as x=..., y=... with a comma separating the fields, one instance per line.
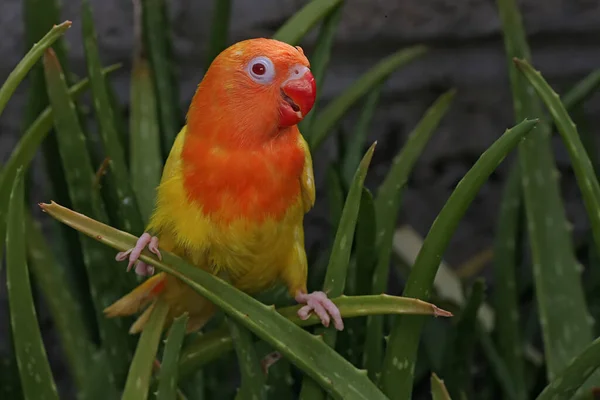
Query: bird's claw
x=134, y=253
x=322, y=306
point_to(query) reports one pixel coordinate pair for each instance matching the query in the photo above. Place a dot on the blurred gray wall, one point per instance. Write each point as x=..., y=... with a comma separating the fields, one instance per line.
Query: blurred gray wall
x=467, y=54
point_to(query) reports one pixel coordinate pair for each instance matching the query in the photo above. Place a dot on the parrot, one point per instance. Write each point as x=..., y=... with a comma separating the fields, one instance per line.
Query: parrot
x=235, y=187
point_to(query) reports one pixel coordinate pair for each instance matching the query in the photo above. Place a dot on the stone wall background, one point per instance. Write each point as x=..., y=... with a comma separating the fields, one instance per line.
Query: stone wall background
x=467, y=53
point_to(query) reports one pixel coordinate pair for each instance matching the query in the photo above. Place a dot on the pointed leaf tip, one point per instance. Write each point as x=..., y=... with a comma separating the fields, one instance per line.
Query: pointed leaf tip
x=438, y=312
x=44, y=206
x=67, y=24
x=50, y=60
x=520, y=63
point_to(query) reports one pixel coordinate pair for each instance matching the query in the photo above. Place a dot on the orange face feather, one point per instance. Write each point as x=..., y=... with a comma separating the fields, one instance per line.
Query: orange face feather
x=241, y=157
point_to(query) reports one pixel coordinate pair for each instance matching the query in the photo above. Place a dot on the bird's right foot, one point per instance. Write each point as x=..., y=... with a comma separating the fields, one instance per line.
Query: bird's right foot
x=133, y=254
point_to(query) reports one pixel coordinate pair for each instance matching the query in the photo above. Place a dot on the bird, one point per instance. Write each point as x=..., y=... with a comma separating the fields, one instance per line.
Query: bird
x=235, y=188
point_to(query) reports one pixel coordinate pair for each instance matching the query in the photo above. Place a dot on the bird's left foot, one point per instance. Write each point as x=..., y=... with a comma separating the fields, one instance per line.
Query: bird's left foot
x=322, y=306
x=133, y=254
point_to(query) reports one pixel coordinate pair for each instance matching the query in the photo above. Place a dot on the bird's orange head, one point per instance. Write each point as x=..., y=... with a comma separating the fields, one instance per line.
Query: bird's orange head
x=252, y=91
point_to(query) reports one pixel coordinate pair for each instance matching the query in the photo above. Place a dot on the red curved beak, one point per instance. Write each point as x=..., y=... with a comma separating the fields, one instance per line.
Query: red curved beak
x=298, y=96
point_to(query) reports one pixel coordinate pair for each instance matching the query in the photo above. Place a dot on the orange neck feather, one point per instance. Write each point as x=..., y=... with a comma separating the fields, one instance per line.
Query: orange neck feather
x=237, y=162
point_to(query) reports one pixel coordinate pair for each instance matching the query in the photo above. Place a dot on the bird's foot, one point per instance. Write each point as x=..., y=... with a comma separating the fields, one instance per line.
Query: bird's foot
x=322, y=306
x=133, y=254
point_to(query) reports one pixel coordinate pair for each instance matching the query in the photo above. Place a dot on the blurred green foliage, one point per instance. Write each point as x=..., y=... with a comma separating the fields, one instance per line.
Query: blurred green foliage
x=391, y=346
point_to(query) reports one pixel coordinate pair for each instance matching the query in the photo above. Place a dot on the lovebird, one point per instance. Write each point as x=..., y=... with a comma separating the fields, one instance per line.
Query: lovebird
x=235, y=188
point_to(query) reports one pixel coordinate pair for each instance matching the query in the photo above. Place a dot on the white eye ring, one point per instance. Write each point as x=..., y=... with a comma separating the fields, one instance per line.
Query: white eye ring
x=262, y=75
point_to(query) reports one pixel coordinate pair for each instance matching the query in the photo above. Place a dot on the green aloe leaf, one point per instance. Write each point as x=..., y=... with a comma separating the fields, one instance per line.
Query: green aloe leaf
x=253, y=380
x=10, y=384
x=447, y=285
x=58, y=296
x=584, y=171
x=438, y=389
x=555, y=268
x=119, y=115
x=401, y=352
x=506, y=296
x=124, y=205
x=459, y=352
x=360, y=133
x=335, y=110
x=146, y=160
x=203, y=350
x=387, y=206
x=582, y=90
x=169, y=371
x=314, y=357
x=36, y=376
x=214, y=344
x=497, y=364
x=575, y=374
x=140, y=370
x=359, y=277
x=335, y=195
x=319, y=61
x=97, y=377
x=107, y=279
x=280, y=382
x=335, y=278
x=302, y=21
x=156, y=32
x=219, y=29
x=26, y=148
x=126, y=213
x=21, y=70
x=366, y=228
x=39, y=18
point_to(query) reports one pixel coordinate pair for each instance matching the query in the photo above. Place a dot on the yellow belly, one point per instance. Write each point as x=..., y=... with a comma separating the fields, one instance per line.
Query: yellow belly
x=251, y=256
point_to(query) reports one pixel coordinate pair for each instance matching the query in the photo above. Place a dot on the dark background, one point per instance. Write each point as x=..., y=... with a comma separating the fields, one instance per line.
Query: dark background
x=467, y=54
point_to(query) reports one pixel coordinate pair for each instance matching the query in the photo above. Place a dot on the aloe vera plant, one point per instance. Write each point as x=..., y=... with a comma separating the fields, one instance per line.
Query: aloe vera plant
x=39, y=18
x=582, y=165
x=36, y=377
x=387, y=205
x=438, y=389
x=125, y=202
x=25, y=150
x=399, y=361
x=554, y=265
x=218, y=342
x=104, y=283
x=459, y=352
x=167, y=386
x=311, y=355
x=336, y=109
x=506, y=295
x=253, y=379
x=140, y=370
x=319, y=60
x=106, y=187
x=156, y=36
x=36, y=52
x=335, y=279
x=297, y=26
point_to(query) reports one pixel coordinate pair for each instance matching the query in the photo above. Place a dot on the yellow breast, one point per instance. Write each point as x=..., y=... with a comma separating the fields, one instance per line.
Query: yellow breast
x=251, y=255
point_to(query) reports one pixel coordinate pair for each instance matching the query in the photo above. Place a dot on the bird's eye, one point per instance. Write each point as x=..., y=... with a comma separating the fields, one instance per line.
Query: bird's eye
x=261, y=70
